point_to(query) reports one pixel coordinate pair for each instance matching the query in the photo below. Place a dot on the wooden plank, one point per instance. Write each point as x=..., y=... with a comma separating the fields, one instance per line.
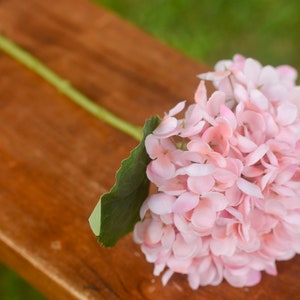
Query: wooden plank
x=109, y=63
x=55, y=159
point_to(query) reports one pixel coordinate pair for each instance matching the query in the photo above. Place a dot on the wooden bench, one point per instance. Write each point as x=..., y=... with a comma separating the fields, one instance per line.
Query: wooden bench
x=56, y=159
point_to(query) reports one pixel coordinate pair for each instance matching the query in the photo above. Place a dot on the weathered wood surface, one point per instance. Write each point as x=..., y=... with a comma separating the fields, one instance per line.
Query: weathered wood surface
x=56, y=159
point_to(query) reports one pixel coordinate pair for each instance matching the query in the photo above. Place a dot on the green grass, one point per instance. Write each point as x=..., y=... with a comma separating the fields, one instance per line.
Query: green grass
x=12, y=287
x=210, y=30
x=207, y=30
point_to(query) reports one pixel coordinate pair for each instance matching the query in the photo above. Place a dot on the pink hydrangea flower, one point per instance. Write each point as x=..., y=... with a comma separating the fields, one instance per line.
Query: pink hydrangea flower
x=228, y=178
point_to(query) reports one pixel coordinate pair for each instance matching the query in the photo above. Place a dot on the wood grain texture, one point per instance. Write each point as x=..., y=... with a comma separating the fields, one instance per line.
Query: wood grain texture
x=55, y=159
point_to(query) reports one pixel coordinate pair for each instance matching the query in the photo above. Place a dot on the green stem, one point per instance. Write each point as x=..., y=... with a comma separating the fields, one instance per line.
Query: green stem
x=67, y=89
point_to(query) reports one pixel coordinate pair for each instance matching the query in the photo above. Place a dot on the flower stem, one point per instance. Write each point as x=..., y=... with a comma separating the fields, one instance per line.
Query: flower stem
x=67, y=89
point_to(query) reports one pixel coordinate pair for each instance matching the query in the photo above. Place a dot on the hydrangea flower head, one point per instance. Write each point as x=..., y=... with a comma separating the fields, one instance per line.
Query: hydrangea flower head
x=227, y=173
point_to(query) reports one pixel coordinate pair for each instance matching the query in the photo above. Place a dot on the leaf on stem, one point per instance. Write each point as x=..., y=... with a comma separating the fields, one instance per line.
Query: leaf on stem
x=118, y=210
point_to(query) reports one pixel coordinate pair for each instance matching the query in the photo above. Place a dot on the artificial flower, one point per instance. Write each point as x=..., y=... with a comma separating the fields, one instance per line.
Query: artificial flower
x=227, y=173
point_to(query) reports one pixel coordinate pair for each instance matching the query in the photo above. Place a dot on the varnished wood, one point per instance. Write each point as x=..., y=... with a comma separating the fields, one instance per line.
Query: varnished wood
x=56, y=159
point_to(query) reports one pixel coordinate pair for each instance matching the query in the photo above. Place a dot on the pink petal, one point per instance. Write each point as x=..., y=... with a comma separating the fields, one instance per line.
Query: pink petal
x=168, y=237
x=151, y=251
x=226, y=246
x=217, y=200
x=241, y=93
x=253, y=277
x=181, y=223
x=253, y=120
x=167, y=219
x=177, y=109
x=296, y=245
x=192, y=129
x=252, y=171
x=161, y=203
x=248, y=239
x=293, y=218
x=174, y=186
x=154, y=177
x=235, y=165
x=200, y=184
x=196, y=170
x=167, y=127
x=179, y=265
x=193, y=114
x=197, y=145
x=139, y=231
x=271, y=125
x=268, y=77
x=239, y=60
x=185, y=202
x=153, y=146
x=239, y=259
x=153, y=233
x=284, y=191
x=245, y=144
x=166, y=277
x=211, y=276
x=261, y=222
x=214, y=103
x=201, y=94
x=218, y=159
x=181, y=249
x=256, y=155
x=233, y=195
x=220, y=232
x=287, y=113
x=144, y=209
x=225, y=176
x=229, y=116
x=224, y=64
x=275, y=208
x=267, y=178
x=272, y=158
x=271, y=270
x=286, y=174
x=218, y=75
x=277, y=93
x=259, y=99
x=237, y=277
x=204, y=264
x=163, y=167
x=203, y=217
x=294, y=95
x=252, y=69
x=249, y=188
x=158, y=268
x=234, y=212
x=287, y=73
x=194, y=280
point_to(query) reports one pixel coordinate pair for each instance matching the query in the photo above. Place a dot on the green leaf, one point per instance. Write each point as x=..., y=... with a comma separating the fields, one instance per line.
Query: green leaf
x=118, y=210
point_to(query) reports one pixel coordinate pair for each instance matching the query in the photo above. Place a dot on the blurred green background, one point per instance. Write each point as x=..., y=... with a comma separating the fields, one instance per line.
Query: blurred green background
x=210, y=30
x=207, y=30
